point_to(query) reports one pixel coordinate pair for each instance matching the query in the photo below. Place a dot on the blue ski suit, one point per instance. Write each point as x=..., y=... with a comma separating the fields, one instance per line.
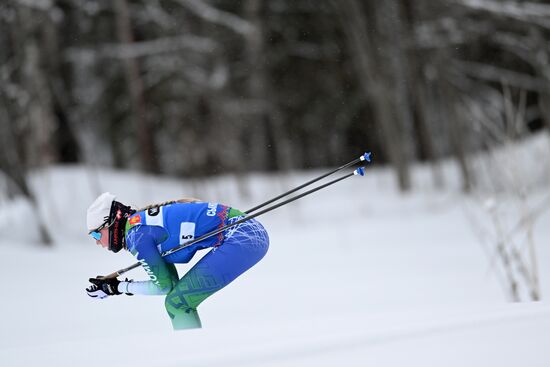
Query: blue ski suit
x=155, y=230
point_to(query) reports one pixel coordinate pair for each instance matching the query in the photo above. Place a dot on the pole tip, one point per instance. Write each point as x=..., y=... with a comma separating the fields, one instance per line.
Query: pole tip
x=366, y=157
x=359, y=171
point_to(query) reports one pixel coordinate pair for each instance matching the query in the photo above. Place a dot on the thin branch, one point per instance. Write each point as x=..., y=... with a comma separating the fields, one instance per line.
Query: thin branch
x=529, y=217
x=521, y=9
x=153, y=11
x=504, y=256
x=143, y=49
x=496, y=74
x=520, y=46
x=486, y=242
x=36, y=4
x=524, y=11
x=530, y=278
x=211, y=14
x=447, y=32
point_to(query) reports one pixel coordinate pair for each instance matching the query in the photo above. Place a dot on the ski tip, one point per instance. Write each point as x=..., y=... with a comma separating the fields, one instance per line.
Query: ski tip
x=359, y=171
x=366, y=157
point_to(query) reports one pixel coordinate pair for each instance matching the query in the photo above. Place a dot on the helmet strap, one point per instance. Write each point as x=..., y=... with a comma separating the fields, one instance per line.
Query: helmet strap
x=118, y=216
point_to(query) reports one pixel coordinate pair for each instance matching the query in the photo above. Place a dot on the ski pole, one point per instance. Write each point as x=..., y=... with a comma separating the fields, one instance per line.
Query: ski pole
x=364, y=157
x=358, y=172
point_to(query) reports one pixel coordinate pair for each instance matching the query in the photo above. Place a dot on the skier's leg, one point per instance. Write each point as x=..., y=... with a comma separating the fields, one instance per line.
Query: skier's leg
x=244, y=246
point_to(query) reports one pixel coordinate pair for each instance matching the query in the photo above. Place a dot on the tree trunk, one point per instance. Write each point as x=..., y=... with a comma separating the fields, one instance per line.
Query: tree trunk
x=260, y=152
x=38, y=109
x=457, y=138
x=32, y=146
x=420, y=93
x=65, y=142
x=273, y=152
x=15, y=169
x=134, y=82
x=378, y=85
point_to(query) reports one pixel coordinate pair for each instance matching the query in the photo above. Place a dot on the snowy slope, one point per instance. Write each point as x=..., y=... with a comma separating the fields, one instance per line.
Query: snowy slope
x=356, y=275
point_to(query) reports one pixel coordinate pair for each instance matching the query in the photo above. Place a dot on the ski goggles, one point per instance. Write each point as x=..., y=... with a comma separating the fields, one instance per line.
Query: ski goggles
x=96, y=233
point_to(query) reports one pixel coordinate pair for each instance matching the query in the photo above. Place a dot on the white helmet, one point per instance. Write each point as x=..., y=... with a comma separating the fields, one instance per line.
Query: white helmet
x=98, y=213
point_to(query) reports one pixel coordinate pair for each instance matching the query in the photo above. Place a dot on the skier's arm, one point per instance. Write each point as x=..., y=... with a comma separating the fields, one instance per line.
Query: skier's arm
x=146, y=287
x=143, y=244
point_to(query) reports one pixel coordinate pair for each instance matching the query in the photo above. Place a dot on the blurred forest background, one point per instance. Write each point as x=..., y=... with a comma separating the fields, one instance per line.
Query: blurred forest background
x=197, y=88
x=202, y=87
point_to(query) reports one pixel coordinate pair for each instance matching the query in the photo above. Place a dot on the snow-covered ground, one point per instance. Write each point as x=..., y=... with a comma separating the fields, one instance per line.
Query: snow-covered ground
x=356, y=275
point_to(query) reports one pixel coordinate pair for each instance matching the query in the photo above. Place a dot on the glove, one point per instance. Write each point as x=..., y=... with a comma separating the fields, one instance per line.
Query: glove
x=103, y=287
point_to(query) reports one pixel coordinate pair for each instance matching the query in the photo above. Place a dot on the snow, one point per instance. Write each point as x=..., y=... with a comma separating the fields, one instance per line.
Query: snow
x=357, y=274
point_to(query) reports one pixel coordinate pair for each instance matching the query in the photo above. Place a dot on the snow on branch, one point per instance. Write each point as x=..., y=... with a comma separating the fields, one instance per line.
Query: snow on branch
x=36, y=4
x=526, y=11
x=211, y=14
x=496, y=74
x=144, y=48
x=520, y=46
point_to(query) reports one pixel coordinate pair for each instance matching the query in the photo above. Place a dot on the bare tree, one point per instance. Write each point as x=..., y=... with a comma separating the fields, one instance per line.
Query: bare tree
x=375, y=79
x=505, y=192
x=26, y=109
x=272, y=79
x=144, y=128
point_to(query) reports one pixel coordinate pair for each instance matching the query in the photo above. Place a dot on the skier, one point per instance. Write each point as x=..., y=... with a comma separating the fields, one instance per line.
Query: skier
x=150, y=231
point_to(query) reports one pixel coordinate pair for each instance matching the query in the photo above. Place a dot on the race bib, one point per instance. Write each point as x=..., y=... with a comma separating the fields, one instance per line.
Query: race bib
x=187, y=232
x=154, y=217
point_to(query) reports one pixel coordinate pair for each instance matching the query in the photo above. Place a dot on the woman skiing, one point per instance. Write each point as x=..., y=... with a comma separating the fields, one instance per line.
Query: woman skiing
x=150, y=231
